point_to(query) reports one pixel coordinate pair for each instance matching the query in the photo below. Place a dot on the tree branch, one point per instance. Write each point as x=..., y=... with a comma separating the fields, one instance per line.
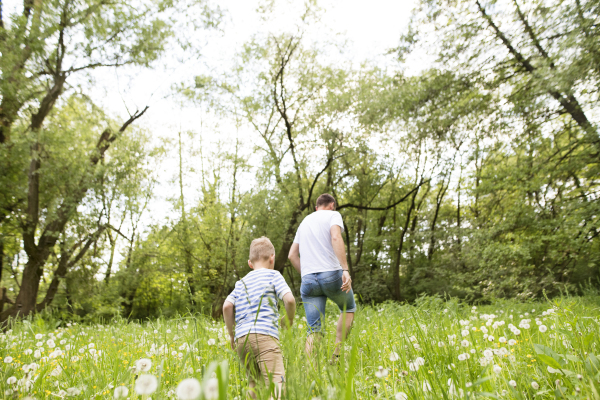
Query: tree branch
x=359, y=207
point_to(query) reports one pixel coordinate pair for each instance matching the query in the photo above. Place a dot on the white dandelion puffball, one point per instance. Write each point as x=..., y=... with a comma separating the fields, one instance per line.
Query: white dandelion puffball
x=502, y=339
x=121, y=391
x=543, y=328
x=37, y=354
x=488, y=353
x=189, y=389
x=211, y=390
x=464, y=356
x=39, y=336
x=426, y=386
x=146, y=384
x=211, y=342
x=440, y=344
x=12, y=380
x=512, y=342
x=490, y=338
x=401, y=396
x=497, y=369
x=168, y=331
x=381, y=373
x=465, y=332
x=464, y=343
x=512, y=383
x=73, y=391
x=394, y=356
x=535, y=385
x=412, y=366
x=420, y=361
x=8, y=359
x=143, y=365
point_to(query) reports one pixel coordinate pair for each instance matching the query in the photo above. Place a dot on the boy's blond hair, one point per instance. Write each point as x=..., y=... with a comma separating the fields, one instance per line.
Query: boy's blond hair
x=261, y=249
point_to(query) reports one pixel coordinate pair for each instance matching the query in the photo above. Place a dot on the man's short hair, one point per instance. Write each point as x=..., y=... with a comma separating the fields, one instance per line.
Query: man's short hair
x=261, y=249
x=325, y=199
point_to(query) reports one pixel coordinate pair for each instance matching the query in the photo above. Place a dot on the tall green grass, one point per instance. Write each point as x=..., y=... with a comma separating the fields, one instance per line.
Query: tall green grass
x=394, y=352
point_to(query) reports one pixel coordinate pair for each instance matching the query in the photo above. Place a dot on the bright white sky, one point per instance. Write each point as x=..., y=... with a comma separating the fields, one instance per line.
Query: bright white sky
x=370, y=28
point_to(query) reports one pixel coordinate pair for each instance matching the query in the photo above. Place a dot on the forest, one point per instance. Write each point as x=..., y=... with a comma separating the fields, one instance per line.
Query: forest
x=474, y=175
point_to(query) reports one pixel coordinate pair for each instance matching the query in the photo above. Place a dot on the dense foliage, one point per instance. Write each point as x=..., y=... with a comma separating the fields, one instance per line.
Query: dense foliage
x=475, y=177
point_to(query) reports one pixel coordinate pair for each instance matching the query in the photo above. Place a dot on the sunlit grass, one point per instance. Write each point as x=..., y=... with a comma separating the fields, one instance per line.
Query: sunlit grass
x=434, y=349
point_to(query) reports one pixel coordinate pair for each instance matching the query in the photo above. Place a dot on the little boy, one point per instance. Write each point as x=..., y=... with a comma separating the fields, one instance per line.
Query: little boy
x=252, y=306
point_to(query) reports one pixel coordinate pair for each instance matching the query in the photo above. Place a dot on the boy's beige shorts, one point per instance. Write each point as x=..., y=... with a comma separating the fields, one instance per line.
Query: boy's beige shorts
x=262, y=355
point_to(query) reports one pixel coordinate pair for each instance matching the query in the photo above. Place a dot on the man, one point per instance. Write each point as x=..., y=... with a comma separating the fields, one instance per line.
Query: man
x=319, y=255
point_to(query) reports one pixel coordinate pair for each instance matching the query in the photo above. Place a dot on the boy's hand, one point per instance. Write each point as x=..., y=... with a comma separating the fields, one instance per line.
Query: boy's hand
x=346, y=282
x=232, y=340
x=285, y=323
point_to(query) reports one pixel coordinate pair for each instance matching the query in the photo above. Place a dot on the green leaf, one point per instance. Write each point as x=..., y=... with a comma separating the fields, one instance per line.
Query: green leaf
x=549, y=361
x=545, y=350
x=482, y=380
x=486, y=394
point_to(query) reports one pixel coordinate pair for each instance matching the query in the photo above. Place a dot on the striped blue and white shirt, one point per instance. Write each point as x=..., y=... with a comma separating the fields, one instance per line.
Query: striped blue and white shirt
x=255, y=298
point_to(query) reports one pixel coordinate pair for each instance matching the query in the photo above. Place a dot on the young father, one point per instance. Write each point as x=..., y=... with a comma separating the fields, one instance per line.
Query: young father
x=319, y=255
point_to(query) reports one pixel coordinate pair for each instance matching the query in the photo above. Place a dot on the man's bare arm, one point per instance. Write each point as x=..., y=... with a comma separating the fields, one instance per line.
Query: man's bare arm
x=294, y=256
x=340, y=252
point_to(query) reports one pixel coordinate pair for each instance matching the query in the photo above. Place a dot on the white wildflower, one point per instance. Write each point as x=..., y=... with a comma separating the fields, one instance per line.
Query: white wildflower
x=121, y=391
x=146, y=384
x=211, y=390
x=401, y=396
x=143, y=365
x=381, y=373
x=394, y=356
x=189, y=389
x=535, y=385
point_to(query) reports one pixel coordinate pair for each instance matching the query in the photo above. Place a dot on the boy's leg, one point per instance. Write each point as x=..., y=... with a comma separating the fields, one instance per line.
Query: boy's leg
x=270, y=361
x=249, y=362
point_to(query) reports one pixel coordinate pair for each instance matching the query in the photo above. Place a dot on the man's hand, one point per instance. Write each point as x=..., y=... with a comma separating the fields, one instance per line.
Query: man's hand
x=232, y=340
x=346, y=282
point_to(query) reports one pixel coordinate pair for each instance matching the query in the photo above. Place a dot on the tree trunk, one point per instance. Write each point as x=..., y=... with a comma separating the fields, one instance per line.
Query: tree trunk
x=281, y=257
x=396, y=266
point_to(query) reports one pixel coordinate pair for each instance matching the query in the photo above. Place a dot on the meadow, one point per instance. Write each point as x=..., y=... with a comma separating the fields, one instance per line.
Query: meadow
x=433, y=349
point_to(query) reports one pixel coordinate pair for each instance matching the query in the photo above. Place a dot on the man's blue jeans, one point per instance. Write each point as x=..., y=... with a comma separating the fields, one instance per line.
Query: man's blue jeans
x=316, y=289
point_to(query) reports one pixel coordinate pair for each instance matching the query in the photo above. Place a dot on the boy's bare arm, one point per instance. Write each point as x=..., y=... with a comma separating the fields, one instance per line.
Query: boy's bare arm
x=229, y=317
x=290, y=309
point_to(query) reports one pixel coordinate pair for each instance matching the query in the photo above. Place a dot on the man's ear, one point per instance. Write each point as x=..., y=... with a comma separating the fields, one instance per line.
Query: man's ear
x=250, y=264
